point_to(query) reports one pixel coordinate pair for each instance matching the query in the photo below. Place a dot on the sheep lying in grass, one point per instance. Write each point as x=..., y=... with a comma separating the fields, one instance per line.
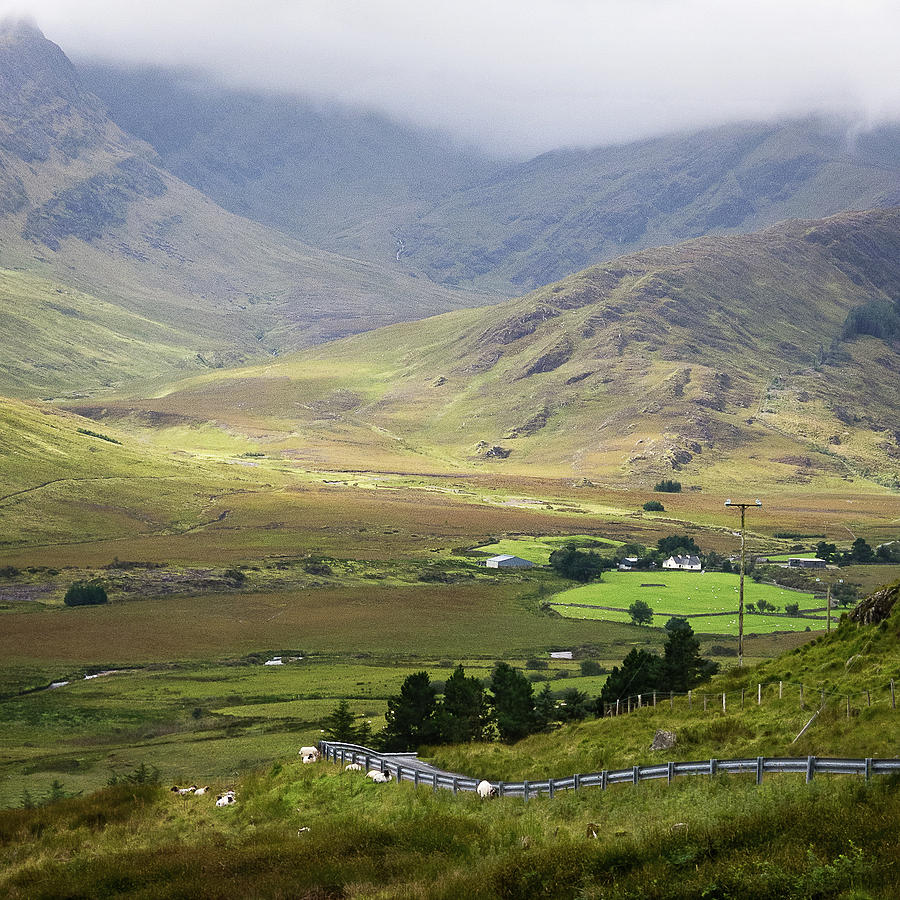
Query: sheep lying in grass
x=485, y=790
x=379, y=777
x=309, y=754
x=353, y=767
x=226, y=799
x=184, y=791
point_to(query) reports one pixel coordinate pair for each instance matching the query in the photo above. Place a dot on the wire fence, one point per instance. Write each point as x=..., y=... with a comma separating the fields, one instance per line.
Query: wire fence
x=766, y=692
x=405, y=767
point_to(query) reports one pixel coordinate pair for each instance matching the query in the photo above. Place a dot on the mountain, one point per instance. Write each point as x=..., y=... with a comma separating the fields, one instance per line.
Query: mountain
x=720, y=357
x=357, y=183
x=337, y=177
x=539, y=221
x=88, y=209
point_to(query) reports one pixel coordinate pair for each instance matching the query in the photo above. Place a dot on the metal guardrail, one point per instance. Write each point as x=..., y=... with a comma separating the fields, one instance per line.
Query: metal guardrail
x=422, y=774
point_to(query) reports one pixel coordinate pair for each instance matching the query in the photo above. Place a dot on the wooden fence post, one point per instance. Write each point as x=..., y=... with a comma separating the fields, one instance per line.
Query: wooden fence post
x=758, y=694
x=617, y=707
x=723, y=701
x=639, y=701
x=742, y=698
x=690, y=699
x=654, y=698
x=780, y=686
x=704, y=703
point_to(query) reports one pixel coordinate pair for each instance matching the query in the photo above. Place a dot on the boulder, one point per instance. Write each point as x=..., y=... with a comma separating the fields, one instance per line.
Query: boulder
x=664, y=740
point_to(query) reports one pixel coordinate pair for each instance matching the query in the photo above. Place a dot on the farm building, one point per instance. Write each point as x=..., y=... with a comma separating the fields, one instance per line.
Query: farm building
x=686, y=563
x=628, y=563
x=507, y=561
x=804, y=563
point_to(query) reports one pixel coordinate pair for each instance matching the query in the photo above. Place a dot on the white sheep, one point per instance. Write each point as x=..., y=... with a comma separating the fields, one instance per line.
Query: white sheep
x=225, y=799
x=353, y=767
x=309, y=754
x=199, y=792
x=485, y=789
x=379, y=777
x=184, y=791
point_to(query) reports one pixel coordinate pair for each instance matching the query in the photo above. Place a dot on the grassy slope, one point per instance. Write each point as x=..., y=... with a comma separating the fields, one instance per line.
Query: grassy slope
x=694, y=359
x=721, y=837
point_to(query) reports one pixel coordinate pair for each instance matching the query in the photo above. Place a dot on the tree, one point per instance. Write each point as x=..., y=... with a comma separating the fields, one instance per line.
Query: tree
x=641, y=612
x=544, y=709
x=411, y=717
x=575, y=705
x=464, y=714
x=792, y=609
x=591, y=667
x=654, y=506
x=682, y=665
x=341, y=724
x=579, y=565
x=85, y=593
x=668, y=486
x=676, y=544
x=826, y=551
x=638, y=674
x=861, y=552
x=513, y=702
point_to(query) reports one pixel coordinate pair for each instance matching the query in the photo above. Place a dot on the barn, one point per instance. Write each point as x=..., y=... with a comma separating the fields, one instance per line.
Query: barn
x=507, y=561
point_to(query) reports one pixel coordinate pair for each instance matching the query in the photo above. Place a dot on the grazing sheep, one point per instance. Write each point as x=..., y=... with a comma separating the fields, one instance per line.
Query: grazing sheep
x=485, y=789
x=379, y=777
x=353, y=767
x=184, y=791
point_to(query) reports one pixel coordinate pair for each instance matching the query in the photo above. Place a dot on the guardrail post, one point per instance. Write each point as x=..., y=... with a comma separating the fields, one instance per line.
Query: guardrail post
x=810, y=768
x=670, y=772
x=342, y=757
x=713, y=767
x=525, y=787
x=604, y=780
x=759, y=769
x=399, y=773
x=434, y=784
x=501, y=788
x=552, y=788
x=415, y=777
x=577, y=782
x=635, y=774
x=868, y=767
x=455, y=787
x=366, y=761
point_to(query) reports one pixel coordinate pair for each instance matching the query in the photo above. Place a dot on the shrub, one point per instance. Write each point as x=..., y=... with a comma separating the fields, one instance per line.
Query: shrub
x=654, y=506
x=668, y=486
x=591, y=667
x=85, y=593
x=533, y=663
x=641, y=613
x=792, y=609
x=235, y=575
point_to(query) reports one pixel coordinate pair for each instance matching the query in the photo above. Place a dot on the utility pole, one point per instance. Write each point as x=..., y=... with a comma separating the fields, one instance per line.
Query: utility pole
x=743, y=508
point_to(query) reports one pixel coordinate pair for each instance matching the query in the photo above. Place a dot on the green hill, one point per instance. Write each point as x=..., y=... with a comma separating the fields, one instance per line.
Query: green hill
x=719, y=355
x=90, y=208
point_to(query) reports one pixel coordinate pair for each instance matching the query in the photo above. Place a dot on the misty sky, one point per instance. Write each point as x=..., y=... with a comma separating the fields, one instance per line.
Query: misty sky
x=519, y=76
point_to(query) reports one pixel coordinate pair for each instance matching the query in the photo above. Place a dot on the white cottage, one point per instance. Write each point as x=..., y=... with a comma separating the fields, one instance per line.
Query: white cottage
x=685, y=563
x=507, y=561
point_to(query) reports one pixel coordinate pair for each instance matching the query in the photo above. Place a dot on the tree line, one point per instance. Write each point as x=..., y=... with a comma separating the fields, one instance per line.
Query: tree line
x=505, y=707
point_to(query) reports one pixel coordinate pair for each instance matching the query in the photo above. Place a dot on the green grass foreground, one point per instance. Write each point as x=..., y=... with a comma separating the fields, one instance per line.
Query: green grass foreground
x=718, y=838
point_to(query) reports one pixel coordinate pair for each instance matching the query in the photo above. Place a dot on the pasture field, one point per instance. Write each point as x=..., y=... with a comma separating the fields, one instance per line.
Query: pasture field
x=687, y=594
x=537, y=549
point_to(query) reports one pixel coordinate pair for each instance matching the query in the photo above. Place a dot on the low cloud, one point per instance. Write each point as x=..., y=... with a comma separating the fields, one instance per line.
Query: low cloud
x=519, y=76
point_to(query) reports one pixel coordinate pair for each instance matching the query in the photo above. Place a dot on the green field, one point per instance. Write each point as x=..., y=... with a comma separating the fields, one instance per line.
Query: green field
x=538, y=549
x=687, y=594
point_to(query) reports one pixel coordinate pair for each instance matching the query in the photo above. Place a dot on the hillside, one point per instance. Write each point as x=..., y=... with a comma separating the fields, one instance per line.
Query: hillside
x=538, y=221
x=91, y=209
x=355, y=183
x=692, y=359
